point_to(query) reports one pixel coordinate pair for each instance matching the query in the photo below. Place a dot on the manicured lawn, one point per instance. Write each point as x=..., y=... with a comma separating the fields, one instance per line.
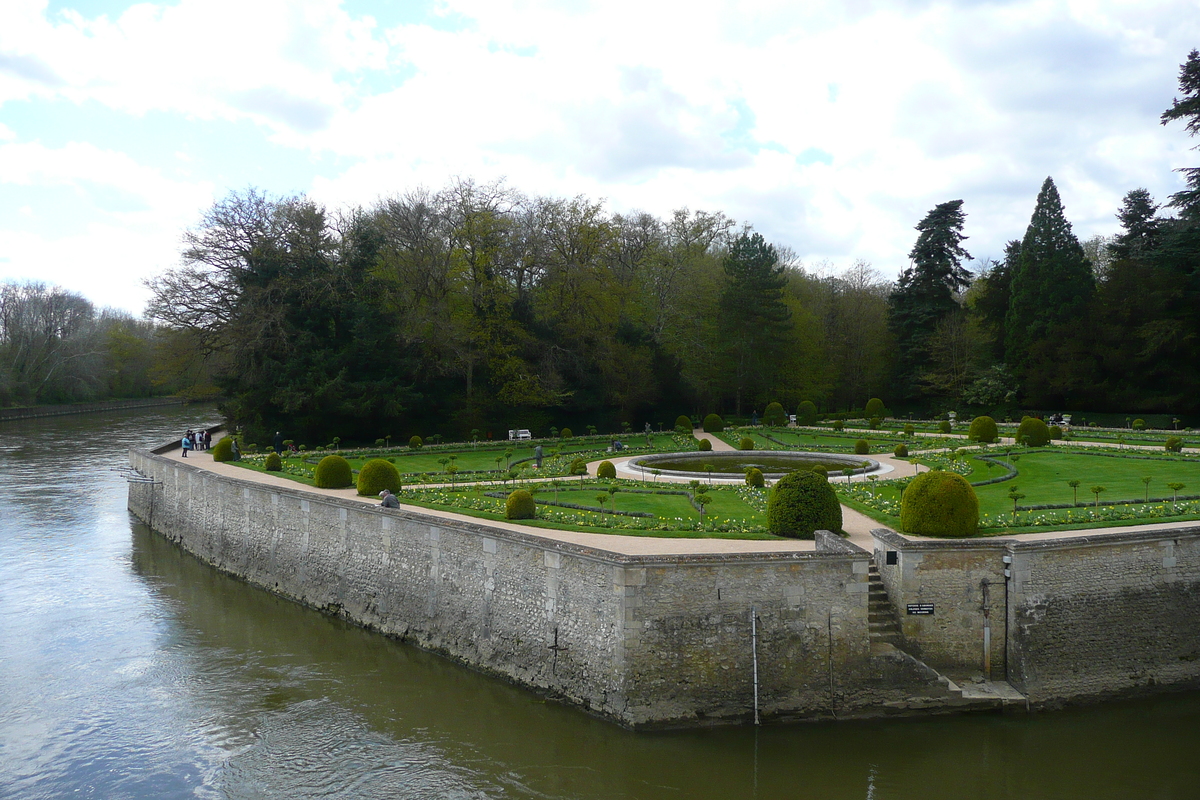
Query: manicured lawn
x=1042, y=477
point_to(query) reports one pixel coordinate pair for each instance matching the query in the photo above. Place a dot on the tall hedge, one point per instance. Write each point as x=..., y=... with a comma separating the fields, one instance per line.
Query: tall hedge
x=713, y=424
x=802, y=503
x=333, y=472
x=1033, y=432
x=806, y=413
x=377, y=475
x=940, y=504
x=983, y=429
x=774, y=415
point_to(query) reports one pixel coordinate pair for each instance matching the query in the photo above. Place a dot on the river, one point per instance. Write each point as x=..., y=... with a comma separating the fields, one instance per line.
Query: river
x=130, y=670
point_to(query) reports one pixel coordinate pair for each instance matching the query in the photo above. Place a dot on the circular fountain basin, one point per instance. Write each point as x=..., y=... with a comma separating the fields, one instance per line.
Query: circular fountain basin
x=733, y=464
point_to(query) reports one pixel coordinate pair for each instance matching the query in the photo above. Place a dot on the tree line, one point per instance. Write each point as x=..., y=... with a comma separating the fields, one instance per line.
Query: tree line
x=477, y=307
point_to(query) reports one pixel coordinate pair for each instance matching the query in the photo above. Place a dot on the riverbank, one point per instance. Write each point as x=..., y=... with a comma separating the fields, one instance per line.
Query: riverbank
x=65, y=409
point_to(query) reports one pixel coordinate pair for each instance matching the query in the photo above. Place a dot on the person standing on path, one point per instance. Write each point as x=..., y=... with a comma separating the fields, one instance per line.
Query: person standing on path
x=186, y=443
x=278, y=443
x=537, y=457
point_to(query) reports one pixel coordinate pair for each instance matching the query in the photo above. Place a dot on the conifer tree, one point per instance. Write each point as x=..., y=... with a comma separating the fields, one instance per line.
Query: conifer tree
x=1053, y=281
x=1188, y=200
x=1137, y=216
x=925, y=292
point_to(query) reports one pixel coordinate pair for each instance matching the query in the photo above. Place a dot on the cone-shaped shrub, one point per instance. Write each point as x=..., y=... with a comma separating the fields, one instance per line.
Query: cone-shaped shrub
x=939, y=503
x=377, y=475
x=333, y=472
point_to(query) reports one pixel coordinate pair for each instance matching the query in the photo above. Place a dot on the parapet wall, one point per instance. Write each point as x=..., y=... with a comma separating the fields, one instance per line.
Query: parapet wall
x=1074, y=618
x=643, y=640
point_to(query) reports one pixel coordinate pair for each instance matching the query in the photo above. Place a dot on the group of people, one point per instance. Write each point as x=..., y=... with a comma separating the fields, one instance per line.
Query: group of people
x=196, y=440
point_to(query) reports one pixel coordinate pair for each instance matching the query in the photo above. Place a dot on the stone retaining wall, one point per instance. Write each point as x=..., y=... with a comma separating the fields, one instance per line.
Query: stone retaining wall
x=643, y=640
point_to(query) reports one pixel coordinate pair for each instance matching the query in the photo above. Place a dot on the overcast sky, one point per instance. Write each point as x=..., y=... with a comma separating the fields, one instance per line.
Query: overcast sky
x=831, y=127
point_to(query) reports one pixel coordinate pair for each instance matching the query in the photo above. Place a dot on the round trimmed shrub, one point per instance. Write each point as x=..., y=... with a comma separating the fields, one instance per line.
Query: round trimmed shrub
x=944, y=426
x=745, y=443
x=901, y=451
x=606, y=470
x=1139, y=424
x=909, y=430
x=333, y=472
x=1056, y=433
x=705, y=445
x=223, y=449
x=1174, y=444
x=802, y=503
x=839, y=425
x=415, y=442
x=754, y=477
x=683, y=424
x=983, y=429
x=939, y=503
x=774, y=415
x=1033, y=432
x=806, y=413
x=875, y=408
x=861, y=447
x=273, y=463
x=520, y=505
x=713, y=424
x=566, y=433
x=377, y=475
x=821, y=470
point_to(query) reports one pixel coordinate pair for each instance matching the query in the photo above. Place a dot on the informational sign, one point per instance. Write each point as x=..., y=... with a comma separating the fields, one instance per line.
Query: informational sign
x=920, y=609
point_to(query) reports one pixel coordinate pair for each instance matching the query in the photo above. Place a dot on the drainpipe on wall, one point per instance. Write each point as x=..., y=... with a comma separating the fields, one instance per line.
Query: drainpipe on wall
x=1007, y=580
x=987, y=631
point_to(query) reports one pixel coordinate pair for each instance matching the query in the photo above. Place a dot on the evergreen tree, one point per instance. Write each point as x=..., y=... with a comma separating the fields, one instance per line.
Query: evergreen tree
x=1137, y=216
x=754, y=316
x=1052, y=283
x=1188, y=200
x=925, y=292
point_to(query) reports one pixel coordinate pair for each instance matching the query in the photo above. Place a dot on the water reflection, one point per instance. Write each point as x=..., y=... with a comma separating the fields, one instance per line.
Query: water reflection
x=130, y=670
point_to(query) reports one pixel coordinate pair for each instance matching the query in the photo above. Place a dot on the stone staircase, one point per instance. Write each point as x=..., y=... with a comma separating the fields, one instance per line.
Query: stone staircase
x=886, y=638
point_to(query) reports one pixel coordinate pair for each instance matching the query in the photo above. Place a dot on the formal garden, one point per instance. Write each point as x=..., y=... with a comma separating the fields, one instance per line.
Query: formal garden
x=967, y=479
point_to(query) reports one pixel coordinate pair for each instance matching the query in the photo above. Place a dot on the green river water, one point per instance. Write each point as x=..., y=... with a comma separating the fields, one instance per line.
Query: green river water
x=129, y=670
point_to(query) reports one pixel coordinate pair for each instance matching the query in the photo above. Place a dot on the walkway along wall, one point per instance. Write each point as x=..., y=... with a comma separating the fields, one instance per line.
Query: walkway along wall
x=643, y=640
x=1067, y=619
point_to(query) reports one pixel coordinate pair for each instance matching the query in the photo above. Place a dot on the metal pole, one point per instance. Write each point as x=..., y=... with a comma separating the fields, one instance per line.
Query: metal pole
x=754, y=654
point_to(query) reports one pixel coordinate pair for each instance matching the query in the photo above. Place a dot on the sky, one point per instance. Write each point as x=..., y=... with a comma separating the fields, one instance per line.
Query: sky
x=830, y=127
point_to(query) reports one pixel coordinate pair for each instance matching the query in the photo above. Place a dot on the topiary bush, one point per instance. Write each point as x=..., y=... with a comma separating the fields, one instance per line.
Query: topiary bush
x=713, y=424
x=415, y=442
x=839, y=425
x=566, y=433
x=820, y=469
x=901, y=451
x=944, y=426
x=705, y=444
x=745, y=443
x=941, y=504
x=520, y=505
x=1174, y=444
x=683, y=424
x=875, y=408
x=909, y=430
x=861, y=447
x=983, y=429
x=1056, y=433
x=578, y=466
x=223, y=449
x=1139, y=424
x=273, y=463
x=1033, y=432
x=754, y=478
x=802, y=503
x=333, y=472
x=774, y=415
x=606, y=470
x=874, y=423
x=377, y=475
x=806, y=413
